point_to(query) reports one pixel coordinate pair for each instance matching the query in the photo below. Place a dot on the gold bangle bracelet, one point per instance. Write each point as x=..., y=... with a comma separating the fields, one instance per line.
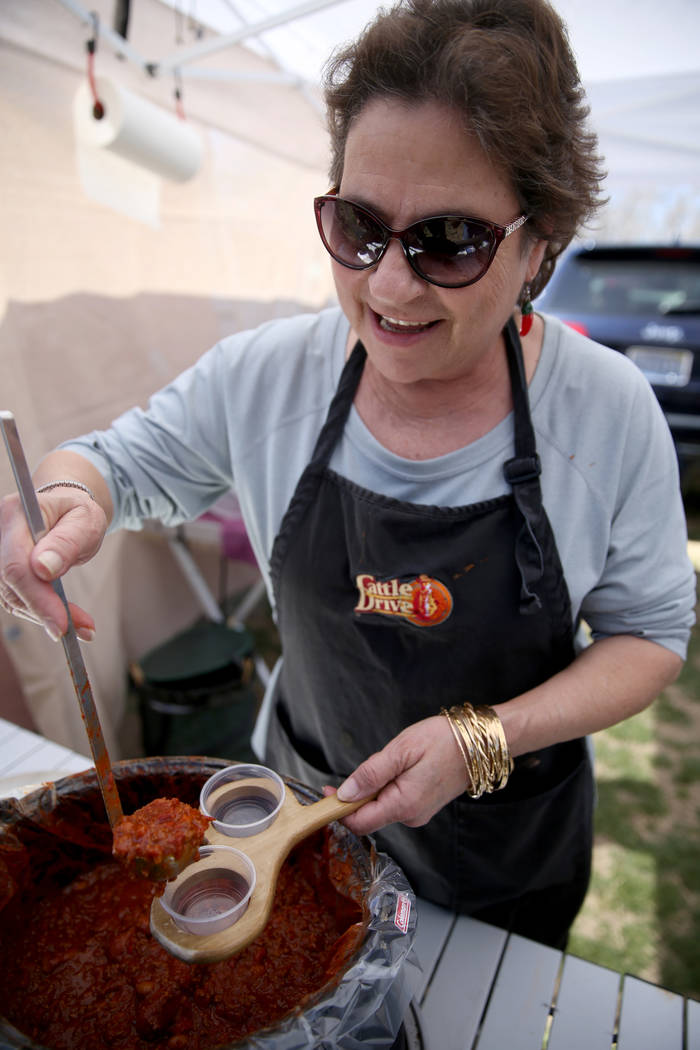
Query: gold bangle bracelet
x=458, y=739
x=478, y=759
x=505, y=761
x=481, y=738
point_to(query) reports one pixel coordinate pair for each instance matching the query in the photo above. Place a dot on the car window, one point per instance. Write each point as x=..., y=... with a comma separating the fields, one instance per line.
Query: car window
x=633, y=286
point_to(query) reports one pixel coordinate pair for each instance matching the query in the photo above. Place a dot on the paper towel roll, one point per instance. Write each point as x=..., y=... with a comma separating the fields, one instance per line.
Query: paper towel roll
x=137, y=130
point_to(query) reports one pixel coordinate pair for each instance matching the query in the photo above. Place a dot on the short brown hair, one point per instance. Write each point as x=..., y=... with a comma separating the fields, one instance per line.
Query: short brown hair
x=507, y=67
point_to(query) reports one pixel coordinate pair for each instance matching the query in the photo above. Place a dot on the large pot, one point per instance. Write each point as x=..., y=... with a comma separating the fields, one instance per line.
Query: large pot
x=60, y=831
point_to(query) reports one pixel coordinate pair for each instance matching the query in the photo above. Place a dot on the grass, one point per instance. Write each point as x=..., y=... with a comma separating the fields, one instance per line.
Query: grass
x=642, y=913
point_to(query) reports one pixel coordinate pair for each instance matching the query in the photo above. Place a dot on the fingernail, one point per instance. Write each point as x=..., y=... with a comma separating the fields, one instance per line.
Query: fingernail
x=348, y=790
x=52, y=562
x=52, y=630
x=86, y=634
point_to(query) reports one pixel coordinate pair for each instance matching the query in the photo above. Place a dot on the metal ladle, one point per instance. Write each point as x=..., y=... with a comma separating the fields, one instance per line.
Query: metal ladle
x=170, y=866
x=71, y=646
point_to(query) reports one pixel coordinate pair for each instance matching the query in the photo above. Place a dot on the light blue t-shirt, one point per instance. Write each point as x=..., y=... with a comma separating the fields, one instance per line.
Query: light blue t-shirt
x=246, y=417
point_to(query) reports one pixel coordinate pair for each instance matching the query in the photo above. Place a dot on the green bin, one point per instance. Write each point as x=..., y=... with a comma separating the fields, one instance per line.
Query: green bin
x=197, y=695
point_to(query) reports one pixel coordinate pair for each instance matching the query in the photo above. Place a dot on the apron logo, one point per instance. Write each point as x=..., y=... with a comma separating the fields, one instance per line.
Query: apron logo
x=423, y=601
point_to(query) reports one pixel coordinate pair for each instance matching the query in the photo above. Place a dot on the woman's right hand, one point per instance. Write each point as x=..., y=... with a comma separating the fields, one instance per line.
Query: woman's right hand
x=412, y=777
x=76, y=525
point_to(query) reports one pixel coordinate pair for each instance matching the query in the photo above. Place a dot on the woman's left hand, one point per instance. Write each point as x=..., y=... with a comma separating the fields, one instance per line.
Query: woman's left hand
x=415, y=775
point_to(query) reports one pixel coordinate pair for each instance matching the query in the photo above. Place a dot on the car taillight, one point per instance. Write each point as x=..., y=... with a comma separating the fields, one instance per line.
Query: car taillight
x=577, y=326
x=673, y=253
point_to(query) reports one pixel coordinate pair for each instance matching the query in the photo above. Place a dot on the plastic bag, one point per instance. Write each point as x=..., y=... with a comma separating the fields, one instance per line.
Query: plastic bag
x=366, y=1007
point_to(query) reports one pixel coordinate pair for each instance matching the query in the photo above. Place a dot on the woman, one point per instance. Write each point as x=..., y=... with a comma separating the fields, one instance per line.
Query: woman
x=436, y=501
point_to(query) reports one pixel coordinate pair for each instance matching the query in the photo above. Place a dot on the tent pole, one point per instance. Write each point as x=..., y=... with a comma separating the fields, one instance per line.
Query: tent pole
x=220, y=43
x=118, y=44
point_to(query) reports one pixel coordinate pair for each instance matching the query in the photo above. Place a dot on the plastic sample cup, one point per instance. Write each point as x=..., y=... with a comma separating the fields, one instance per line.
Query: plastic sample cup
x=212, y=893
x=243, y=800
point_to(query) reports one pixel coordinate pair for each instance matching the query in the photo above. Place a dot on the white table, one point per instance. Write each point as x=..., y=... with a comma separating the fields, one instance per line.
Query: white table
x=25, y=755
x=483, y=989
x=480, y=988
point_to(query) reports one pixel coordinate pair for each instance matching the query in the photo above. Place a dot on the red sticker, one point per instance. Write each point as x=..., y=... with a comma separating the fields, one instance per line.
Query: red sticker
x=403, y=912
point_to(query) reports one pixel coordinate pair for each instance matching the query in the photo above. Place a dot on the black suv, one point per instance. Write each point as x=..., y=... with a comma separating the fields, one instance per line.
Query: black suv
x=645, y=302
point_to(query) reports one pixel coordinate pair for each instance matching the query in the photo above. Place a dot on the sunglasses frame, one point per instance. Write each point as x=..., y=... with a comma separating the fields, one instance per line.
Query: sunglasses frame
x=498, y=233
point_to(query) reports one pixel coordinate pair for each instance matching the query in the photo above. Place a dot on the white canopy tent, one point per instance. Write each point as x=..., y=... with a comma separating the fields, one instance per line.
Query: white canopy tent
x=638, y=60
x=612, y=41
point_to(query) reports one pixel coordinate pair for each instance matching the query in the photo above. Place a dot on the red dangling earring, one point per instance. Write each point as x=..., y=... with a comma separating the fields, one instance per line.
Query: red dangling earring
x=526, y=312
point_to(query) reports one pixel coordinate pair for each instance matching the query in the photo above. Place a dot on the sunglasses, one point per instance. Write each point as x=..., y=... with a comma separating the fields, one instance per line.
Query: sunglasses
x=450, y=251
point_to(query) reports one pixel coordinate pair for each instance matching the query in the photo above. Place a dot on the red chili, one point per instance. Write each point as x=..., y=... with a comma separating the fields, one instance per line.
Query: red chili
x=79, y=962
x=164, y=828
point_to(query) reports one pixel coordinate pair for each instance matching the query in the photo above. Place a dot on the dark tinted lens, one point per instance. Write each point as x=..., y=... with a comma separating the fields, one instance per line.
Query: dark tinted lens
x=351, y=234
x=450, y=249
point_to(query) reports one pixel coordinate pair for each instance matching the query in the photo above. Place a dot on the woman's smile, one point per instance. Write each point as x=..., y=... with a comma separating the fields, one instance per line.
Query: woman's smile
x=390, y=324
x=402, y=327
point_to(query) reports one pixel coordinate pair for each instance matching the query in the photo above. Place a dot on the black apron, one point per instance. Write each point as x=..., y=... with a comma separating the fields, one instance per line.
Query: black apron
x=389, y=611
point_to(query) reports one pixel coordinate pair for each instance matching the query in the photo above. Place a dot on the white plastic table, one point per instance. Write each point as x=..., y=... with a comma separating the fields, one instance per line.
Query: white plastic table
x=485, y=989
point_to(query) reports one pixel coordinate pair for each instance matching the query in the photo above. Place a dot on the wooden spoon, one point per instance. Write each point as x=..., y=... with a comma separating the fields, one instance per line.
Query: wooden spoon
x=267, y=850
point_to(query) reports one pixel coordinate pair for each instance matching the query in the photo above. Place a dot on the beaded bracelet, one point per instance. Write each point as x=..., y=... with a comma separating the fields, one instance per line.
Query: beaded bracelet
x=480, y=736
x=66, y=483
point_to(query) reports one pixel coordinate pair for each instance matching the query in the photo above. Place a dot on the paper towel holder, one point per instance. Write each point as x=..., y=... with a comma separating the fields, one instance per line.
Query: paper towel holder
x=136, y=130
x=98, y=110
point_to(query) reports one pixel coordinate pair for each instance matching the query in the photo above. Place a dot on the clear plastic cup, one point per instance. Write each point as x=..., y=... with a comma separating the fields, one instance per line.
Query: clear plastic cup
x=243, y=800
x=211, y=893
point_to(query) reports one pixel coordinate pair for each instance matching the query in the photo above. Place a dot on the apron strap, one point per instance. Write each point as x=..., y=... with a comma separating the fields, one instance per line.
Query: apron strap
x=340, y=406
x=522, y=473
x=331, y=430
